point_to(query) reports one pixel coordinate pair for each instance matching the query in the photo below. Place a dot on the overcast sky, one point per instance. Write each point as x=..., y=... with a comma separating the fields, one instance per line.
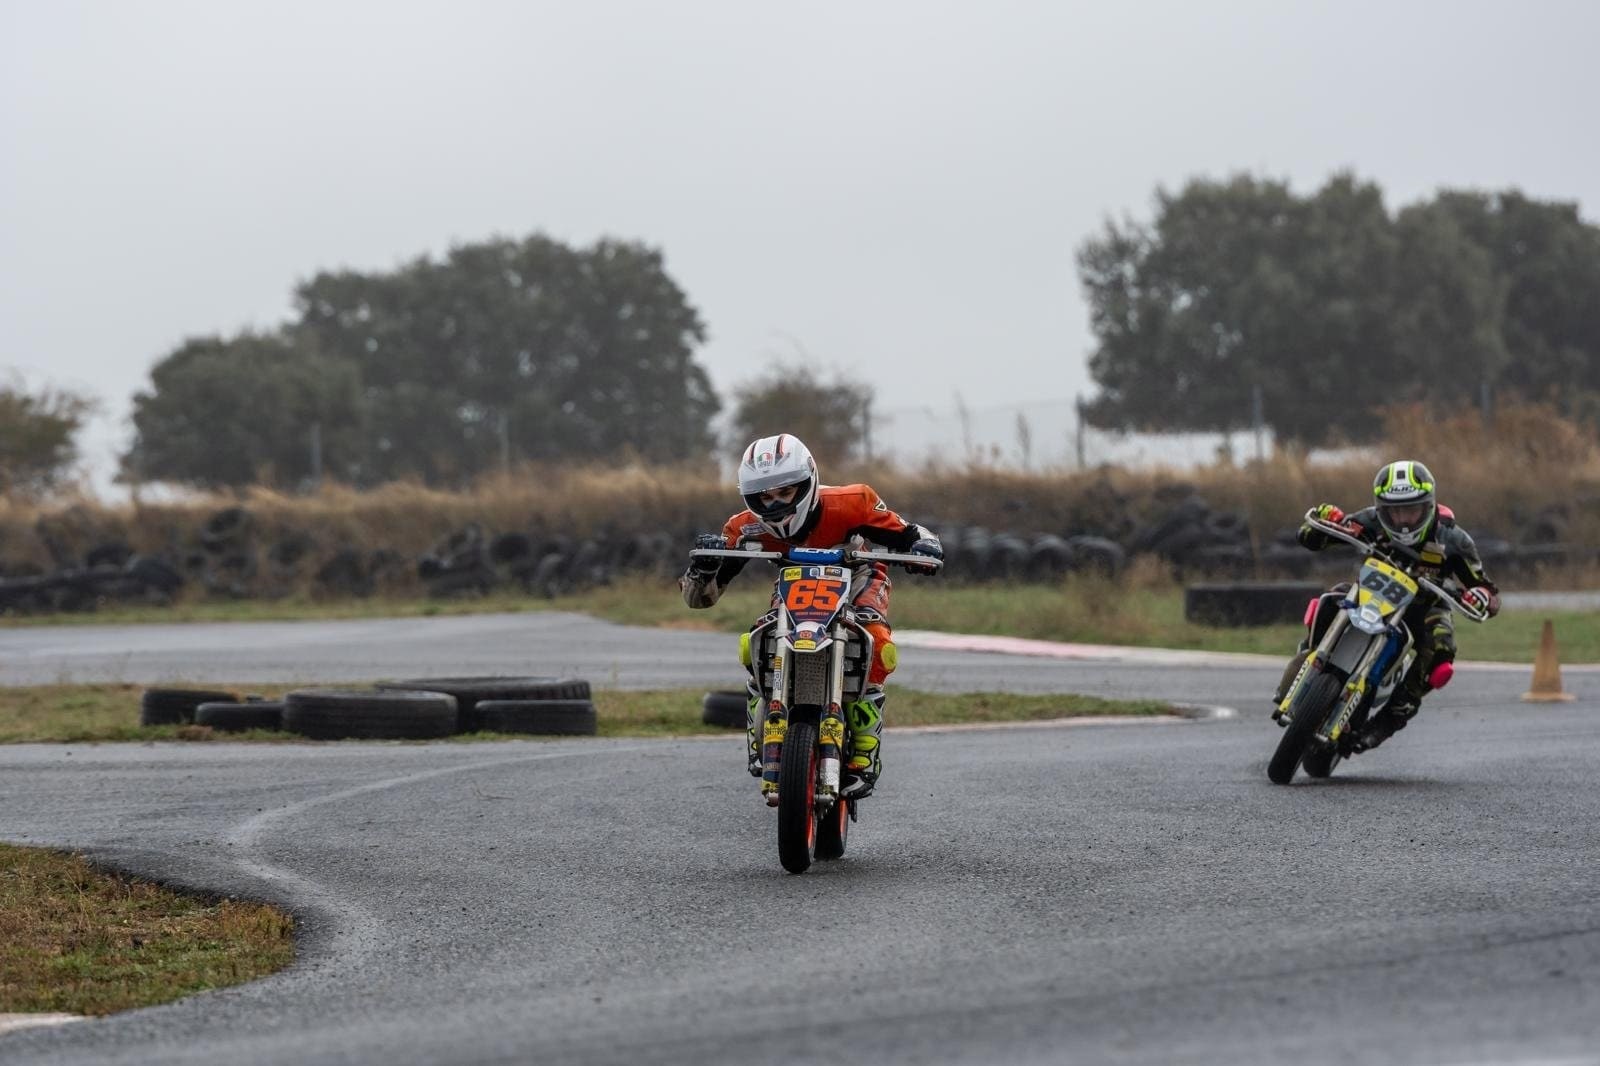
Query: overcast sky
x=895, y=188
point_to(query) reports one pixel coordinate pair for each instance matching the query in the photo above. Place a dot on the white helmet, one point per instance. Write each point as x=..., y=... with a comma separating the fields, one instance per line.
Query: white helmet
x=774, y=463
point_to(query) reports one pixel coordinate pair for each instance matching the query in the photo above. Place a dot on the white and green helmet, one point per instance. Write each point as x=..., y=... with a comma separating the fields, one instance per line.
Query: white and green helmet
x=1403, y=491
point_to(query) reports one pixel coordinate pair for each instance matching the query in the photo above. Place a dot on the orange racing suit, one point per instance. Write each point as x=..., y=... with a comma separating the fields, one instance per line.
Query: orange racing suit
x=842, y=513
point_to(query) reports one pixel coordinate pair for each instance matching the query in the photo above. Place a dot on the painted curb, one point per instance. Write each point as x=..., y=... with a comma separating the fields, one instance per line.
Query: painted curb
x=12, y=1022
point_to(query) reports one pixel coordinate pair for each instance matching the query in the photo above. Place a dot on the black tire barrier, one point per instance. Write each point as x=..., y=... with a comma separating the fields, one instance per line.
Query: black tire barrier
x=225, y=529
x=472, y=578
x=468, y=692
x=510, y=549
x=1008, y=557
x=177, y=706
x=346, y=573
x=240, y=717
x=1188, y=514
x=155, y=574
x=1050, y=558
x=1257, y=603
x=550, y=718
x=1290, y=560
x=1097, y=555
x=338, y=714
x=1221, y=560
x=109, y=553
x=725, y=709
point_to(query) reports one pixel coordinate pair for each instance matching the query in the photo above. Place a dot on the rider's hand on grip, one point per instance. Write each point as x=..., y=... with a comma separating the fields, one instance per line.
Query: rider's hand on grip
x=1327, y=512
x=1480, y=599
x=704, y=564
x=929, y=547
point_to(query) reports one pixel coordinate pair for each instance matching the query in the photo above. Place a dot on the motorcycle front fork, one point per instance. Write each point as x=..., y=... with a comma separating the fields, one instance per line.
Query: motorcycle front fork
x=830, y=749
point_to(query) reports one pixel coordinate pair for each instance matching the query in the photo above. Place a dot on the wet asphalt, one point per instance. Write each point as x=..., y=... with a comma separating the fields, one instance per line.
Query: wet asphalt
x=1109, y=892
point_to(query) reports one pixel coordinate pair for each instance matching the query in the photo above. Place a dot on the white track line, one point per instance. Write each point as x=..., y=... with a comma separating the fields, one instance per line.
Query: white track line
x=355, y=930
x=1119, y=653
x=10, y=1023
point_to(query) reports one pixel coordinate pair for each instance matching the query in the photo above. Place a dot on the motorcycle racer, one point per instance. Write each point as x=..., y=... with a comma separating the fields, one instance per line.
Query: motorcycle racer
x=786, y=505
x=1406, y=515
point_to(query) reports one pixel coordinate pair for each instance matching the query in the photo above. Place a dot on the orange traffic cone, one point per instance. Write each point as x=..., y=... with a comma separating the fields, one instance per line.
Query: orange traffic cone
x=1546, y=687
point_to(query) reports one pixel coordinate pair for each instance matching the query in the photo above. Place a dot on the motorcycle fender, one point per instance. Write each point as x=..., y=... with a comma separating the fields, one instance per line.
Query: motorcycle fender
x=1364, y=653
x=1311, y=663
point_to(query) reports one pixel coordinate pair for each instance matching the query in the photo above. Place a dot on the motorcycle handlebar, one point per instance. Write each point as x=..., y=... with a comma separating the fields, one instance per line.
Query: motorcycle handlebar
x=850, y=555
x=1473, y=614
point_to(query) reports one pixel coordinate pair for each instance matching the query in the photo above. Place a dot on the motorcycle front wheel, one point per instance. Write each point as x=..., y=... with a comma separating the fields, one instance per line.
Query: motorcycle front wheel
x=797, y=798
x=1320, y=763
x=1307, y=713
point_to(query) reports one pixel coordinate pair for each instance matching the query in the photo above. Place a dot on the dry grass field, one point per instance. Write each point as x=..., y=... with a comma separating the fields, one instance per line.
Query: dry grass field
x=1532, y=475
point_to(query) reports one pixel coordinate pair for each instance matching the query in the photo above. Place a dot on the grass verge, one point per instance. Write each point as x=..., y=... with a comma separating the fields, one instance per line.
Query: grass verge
x=91, y=713
x=1081, y=610
x=1088, y=611
x=76, y=940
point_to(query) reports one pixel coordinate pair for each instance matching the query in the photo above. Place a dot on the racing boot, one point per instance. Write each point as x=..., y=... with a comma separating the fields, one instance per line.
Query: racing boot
x=1401, y=708
x=865, y=717
x=1403, y=704
x=752, y=727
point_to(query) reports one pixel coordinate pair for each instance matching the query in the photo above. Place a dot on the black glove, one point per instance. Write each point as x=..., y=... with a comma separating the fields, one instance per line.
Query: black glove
x=705, y=566
x=926, y=546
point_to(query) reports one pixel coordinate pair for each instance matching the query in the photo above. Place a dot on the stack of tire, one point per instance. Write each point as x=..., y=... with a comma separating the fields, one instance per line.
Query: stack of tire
x=414, y=709
x=978, y=554
x=726, y=709
x=548, y=706
x=224, y=712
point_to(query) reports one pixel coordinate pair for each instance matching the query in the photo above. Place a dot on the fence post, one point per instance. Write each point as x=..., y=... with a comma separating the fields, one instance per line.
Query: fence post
x=1258, y=420
x=316, y=456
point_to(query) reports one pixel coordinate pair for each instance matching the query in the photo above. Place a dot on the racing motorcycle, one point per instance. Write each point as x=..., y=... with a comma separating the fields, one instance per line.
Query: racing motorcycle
x=810, y=656
x=1363, y=654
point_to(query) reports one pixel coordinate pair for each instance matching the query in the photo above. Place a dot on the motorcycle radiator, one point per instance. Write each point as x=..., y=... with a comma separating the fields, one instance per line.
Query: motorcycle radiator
x=809, y=671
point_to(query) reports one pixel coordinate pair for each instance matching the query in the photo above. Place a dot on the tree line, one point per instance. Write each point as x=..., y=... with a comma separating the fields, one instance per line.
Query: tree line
x=1239, y=296
x=1329, y=307
x=504, y=351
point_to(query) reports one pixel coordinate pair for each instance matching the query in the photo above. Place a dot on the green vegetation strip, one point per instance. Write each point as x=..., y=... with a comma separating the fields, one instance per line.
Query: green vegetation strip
x=79, y=941
x=1079, y=610
x=1089, y=611
x=77, y=713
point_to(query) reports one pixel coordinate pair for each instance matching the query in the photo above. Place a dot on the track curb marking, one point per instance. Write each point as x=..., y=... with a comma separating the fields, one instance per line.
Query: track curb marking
x=1134, y=654
x=10, y=1023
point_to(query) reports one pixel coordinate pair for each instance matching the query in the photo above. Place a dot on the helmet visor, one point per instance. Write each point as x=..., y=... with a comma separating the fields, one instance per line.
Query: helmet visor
x=1406, y=517
x=777, y=479
x=778, y=501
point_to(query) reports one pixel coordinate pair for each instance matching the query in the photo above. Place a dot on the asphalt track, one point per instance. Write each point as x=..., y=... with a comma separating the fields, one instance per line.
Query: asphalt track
x=1132, y=892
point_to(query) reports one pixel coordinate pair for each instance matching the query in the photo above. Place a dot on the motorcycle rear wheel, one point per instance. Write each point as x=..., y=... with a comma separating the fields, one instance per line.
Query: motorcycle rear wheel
x=1307, y=713
x=797, y=795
